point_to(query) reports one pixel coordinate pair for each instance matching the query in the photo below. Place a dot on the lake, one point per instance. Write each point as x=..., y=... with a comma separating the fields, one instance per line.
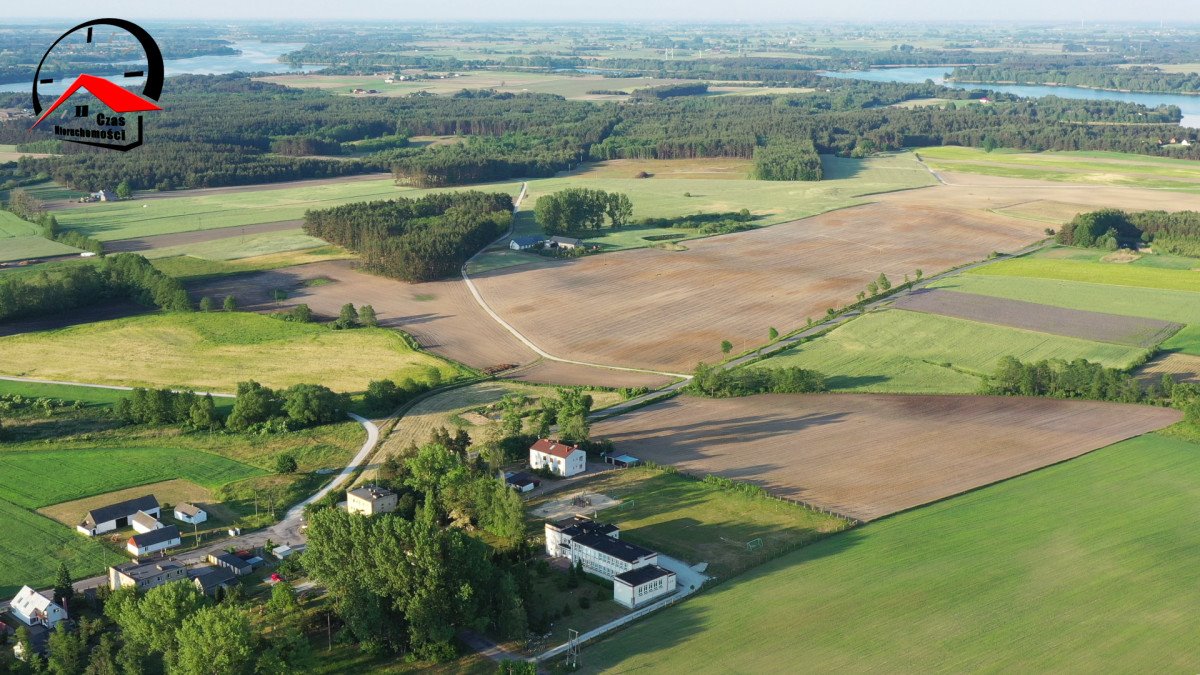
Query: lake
x=255, y=57
x=1190, y=105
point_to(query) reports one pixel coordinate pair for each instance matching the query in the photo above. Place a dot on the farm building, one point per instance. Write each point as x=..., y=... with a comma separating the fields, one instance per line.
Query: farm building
x=622, y=461
x=557, y=458
x=143, y=522
x=559, y=534
x=525, y=243
x=154, y=541
x=210, y=578
x=370, y=499
x=104, y=196
x=34, y=609
x=116, y=516
x=566, y=243
x=642, y=585
x=190, y=513
x=231, y=562
x=521, y=481
x=145, y=575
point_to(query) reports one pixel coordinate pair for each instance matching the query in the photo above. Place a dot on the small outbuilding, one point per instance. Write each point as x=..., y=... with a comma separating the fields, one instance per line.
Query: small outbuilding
x=143, y=522
x=210, y=579
x=525, y=243
x=190, y=513
x=231, y=562
x=622, y=461
x=521, y=481
x=154, y=541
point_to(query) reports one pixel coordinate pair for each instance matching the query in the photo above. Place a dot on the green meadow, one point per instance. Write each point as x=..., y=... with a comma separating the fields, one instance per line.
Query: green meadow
x=1098, y=168
x=1139, y=276
x=1151, y=303
x=32, y=546
x=1085, y=566
x=894, y=351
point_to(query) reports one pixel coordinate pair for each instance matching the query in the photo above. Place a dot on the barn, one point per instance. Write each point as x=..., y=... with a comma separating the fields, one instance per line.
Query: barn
x=117, y=516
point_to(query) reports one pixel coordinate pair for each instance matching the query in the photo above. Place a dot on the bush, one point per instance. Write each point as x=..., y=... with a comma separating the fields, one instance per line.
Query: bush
x=285, y=463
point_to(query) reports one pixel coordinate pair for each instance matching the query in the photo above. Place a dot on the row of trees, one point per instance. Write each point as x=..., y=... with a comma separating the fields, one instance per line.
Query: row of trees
x=579, y=209
x=415, y=239
x=121, y=276
x=255, y=408
x=1061, y=379
x=719, y=382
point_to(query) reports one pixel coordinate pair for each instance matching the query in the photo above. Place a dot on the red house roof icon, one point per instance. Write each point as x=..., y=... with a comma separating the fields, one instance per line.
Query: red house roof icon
x=117, y=99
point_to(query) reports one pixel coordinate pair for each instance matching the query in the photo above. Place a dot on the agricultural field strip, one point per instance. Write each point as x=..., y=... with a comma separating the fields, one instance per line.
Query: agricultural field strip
x=867, y=456
x=28, y=540
x=1114, y=328
x=1182, y=367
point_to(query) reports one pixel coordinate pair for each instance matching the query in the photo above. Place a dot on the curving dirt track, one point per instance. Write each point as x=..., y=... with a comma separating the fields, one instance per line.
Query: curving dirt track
x=867, y=456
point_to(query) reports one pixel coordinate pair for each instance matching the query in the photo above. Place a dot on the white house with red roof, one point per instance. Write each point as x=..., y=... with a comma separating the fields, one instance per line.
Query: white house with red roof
x=557, y=458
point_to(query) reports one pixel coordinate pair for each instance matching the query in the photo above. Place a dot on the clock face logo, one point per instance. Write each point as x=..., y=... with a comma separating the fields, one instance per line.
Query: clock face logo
x=113, y=129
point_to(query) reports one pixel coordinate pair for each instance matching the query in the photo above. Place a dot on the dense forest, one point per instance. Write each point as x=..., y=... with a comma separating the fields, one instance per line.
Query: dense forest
x=1177, y=232
x=797, y=160
x=415, y=239
x=1118, y=78
x=122, y=276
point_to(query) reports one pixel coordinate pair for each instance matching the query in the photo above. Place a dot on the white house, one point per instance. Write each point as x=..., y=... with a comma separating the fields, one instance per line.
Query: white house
x=190, y=513
x=640, y=586
x=524, y=243
x=117, y=516
x=34, y=609
x=560, y=533
x=155, y=540
x=371, y=499
x=143, y=522
x=557, y=458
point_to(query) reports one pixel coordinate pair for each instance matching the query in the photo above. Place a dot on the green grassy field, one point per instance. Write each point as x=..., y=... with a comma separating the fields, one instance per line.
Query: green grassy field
x=1186, y=341
x=697, y=522
x=236, y=247
x=32, y=246
x=34, y=478
x=93, y=396
x=32, y=545
x=181, y=213
x=190, y=267
x=13, y=226
x=1180, y=306
x=1085, y=566
x=1139, y=276
x=899, y=351
x=1098, y=168
x=213, y=352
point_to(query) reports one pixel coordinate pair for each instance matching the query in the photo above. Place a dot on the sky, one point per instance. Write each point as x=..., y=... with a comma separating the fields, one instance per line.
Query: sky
x=748, y=11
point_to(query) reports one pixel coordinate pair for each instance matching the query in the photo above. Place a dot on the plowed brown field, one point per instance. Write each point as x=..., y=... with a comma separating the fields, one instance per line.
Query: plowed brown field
x=1183, y=367
x=867, y=456
x=667, y=310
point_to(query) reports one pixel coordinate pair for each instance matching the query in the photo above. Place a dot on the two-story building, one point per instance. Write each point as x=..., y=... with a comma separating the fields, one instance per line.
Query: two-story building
x=370, y=500
x=560, y=533
x=637, y=587
x=34, y=609
x=145, y=575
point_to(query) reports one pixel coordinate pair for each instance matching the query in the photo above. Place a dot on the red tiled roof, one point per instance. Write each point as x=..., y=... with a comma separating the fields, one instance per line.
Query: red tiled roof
x=553, y=448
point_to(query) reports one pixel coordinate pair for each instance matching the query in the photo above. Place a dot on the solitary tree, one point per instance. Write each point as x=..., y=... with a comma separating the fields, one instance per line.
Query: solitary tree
x=285, y=463
x=123, y=190
x=347, y=318
x=206, y=304
x=873, y=288
x=726, y=346
x=63, y=590
x=884, y=284
x=367, y=316
x=920, y=274
x=230, y=303
x=772, y=333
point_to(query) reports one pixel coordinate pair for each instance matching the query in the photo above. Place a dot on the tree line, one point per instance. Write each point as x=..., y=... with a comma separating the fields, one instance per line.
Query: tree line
x=415, y=239
x=579, y=209
x=116, y=277
x=719, y=382
x=1170, y=232
x=1113, y=77
x=255, y=408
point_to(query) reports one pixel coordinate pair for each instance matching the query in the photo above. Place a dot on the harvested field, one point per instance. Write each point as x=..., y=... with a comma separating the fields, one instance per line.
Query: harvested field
x=867, y=456
x=570, y=374
x=1114, y=328
x=1183, y=367
x=667, y=310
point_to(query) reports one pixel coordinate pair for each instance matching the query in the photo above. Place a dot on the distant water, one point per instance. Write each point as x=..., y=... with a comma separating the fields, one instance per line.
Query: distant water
x=255, y=57
x=1189, y=104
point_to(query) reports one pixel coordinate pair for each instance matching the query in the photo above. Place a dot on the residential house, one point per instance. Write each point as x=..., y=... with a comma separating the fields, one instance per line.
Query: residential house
x=116, y=516
x=34, y=609
x=370, y=499
x=560, y=533
x=145, y=575
x=525, y=243
x=143, y=522
x=190, y=513
x=231, y=562
x=210, y=579
x=154, y=541
x=565, y=243
x=639, y=586
x=557, y=458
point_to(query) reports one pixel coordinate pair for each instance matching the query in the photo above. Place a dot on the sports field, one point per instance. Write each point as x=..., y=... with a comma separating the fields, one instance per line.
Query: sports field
x=34, y=478
x=215, y=351
x=900, y=351
x=32, y=545
x=1096, y=168
x=153, y=214
x=870, y=455
x=1085, y=566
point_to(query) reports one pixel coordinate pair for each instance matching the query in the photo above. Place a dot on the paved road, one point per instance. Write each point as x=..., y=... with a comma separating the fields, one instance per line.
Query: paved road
x=517, y=334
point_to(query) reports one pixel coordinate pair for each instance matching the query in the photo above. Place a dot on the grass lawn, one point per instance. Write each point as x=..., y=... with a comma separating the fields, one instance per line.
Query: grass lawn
x=899, y=351
x=183, y=212
x=1085, y=566
x=1139, y=276
x=1099, y=168
x=215, y=351
x=36, y=477
x=94, y=396
x=1180, y=306
x=697, y=522
x=32, y=546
